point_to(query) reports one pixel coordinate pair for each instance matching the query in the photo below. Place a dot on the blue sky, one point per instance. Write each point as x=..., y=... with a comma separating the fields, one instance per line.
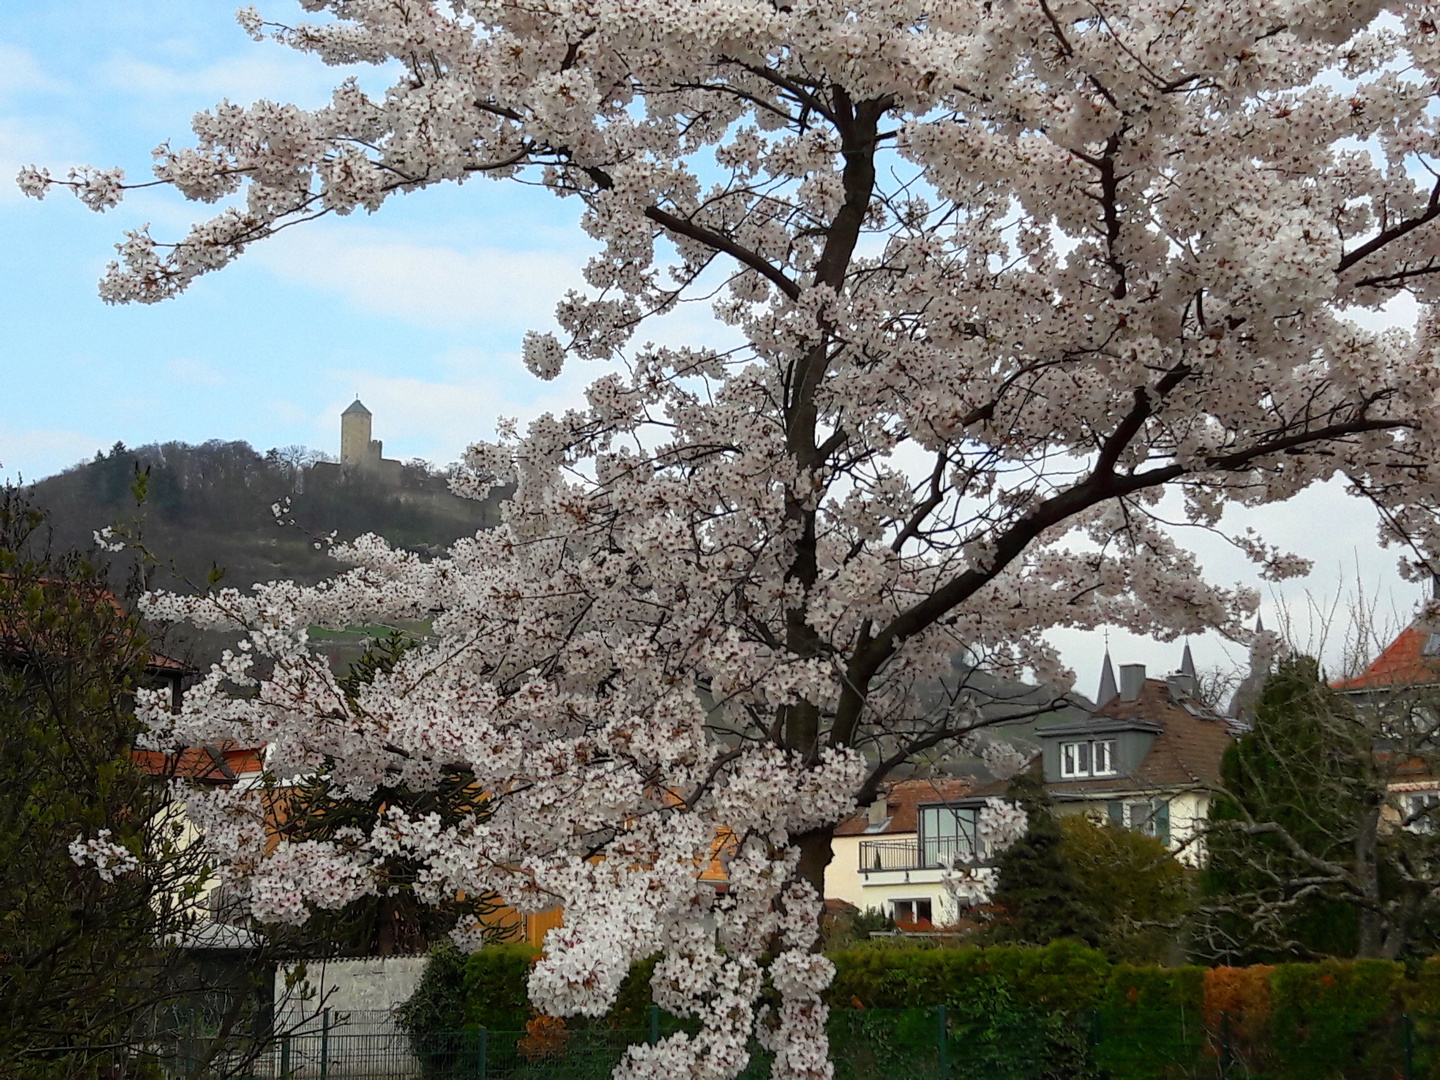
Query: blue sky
x=419, y=308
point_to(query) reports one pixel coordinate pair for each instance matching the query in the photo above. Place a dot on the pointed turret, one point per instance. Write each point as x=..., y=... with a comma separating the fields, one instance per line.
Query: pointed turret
x=1187, y=662
x=1108, y=690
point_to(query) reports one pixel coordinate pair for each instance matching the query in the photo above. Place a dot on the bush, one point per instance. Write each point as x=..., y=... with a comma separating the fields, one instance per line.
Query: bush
x=495, y=987
x=1135, y=887
x=1149, y=1023
x=1063, y=976
x=1333, y=1018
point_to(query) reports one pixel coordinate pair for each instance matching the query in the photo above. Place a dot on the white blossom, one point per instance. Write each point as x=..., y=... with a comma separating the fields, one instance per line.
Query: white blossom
x=993, y=278
x=110, y=859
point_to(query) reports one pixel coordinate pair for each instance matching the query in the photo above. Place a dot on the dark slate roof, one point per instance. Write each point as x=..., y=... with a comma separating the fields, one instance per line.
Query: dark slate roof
x=356, y=409
x=1186, y=752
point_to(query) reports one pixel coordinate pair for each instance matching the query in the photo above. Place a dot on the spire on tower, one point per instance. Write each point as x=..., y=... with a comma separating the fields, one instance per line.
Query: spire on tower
x=1187, y=662
x=1259, y=623
x=1108, y=690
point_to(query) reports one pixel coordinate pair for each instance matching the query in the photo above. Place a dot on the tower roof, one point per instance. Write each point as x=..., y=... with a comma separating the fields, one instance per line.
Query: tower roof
x=1108, y=690
x=356, y=409
x=1187, y=662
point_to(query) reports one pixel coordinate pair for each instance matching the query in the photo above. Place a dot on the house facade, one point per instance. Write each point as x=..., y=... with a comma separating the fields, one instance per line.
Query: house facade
x=1406, y=676
x=1145, y=759
x=891, y=857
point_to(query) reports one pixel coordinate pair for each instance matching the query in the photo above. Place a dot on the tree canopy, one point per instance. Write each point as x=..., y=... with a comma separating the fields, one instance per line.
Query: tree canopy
x=1309, y=852
x=998, y=276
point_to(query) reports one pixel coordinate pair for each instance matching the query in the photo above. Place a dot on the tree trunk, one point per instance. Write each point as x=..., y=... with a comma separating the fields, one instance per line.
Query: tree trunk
x=1367, y=874
x=815, y=856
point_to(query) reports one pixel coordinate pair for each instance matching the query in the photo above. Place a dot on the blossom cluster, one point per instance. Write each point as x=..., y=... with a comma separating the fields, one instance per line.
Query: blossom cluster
x=109, y=858
x=1001, y=276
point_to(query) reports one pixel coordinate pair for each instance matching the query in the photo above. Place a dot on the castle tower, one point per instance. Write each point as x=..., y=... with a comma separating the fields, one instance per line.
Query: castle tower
x=357, y=449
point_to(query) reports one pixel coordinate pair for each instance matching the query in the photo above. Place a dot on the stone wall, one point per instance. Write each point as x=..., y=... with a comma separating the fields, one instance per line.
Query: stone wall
x=362, y=995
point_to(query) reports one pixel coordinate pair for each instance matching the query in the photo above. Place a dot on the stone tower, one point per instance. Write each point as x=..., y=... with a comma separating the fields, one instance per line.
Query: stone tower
x=357, y=449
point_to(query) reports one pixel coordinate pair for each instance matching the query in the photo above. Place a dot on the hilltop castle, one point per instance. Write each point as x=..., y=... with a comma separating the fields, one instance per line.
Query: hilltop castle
x=359, y=453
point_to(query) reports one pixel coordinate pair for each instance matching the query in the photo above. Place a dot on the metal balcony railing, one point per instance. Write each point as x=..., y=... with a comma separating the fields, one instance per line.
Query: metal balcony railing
x=912, y=854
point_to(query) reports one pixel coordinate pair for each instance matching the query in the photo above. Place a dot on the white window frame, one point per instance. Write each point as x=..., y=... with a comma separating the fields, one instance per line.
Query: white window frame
x=1070, y=760
x=1081, y=758
x=1105, y=748
x=914, y=902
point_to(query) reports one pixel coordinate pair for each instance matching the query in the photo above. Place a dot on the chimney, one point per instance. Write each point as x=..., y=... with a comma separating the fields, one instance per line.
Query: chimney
x=877, y=812
x=1132, y=677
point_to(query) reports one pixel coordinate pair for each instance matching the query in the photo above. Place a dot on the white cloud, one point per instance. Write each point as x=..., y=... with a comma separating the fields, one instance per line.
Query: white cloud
x=272, y=73
x=1321, y=523
x=22, y=143
x=21, y=73
x=191, y=372
x=34, y=453
x=437, y=420
x=425, y=285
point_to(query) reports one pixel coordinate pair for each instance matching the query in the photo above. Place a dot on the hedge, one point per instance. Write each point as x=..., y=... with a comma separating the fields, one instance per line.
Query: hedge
x=1061, y=1011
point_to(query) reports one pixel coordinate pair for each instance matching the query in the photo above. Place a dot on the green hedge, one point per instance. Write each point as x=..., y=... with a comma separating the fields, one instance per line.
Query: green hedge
x=1148, y=1023
x=1061, y=1012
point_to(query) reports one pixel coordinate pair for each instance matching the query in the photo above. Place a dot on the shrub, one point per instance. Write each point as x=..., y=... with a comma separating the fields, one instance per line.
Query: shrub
x=494, y=987
x=1237, y=1010
x=1149, y=1023
x=1333, y=1018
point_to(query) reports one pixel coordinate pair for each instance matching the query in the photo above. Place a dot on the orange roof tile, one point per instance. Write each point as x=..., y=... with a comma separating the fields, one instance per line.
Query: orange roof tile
x=901, y=806
x=1401, y=663
x=222, y=764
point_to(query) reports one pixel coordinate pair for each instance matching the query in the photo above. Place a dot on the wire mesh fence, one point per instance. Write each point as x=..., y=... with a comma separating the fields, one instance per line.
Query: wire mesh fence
x=877, y=1044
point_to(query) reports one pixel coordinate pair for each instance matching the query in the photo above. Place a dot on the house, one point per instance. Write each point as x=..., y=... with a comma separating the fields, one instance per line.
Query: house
x=1145, y=759
x=1406, y=675
x=890, y=858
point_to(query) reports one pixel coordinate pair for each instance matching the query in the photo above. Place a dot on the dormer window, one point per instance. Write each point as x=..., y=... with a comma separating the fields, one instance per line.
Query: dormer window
x=1093, y=757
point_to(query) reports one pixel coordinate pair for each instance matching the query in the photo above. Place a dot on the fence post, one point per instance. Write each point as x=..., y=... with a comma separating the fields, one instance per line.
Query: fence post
x=1224, y=1046
x=654, y=1024
x=483, y=1036
x=942, y=1059
x=1407, y=1034
x=324, y=1044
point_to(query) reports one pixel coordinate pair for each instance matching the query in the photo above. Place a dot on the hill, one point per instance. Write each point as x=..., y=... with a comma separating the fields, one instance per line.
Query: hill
x=208, y=507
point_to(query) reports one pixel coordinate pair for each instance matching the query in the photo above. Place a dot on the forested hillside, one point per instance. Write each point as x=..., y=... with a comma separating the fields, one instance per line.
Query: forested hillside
x=209, y=507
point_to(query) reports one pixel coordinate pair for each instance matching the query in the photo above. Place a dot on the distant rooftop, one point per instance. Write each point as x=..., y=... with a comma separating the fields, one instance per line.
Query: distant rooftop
x=356, y=409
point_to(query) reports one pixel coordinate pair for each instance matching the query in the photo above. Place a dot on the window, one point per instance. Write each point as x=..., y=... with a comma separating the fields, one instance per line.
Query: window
x=949, y=833
x=1091, y=758
x=1148, y=816
x=911, y=913
x=1104, y=755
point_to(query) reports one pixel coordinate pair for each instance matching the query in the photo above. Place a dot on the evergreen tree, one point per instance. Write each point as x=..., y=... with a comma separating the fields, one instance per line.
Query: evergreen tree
x=1038, y=889
x=1305, y=858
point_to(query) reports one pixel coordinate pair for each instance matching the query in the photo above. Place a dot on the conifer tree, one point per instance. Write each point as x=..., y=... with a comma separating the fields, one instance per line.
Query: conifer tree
x=1038, y=888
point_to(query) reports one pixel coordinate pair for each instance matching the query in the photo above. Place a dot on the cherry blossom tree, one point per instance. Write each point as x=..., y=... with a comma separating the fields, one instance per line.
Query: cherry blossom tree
x=1001, y=275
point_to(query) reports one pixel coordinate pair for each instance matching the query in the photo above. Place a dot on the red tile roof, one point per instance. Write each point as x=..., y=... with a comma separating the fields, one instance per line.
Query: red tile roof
x=901, y=802
x=1401, y=663
x=222, y=764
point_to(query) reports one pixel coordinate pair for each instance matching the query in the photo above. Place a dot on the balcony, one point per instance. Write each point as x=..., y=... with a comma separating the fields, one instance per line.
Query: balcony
x=878, y=856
